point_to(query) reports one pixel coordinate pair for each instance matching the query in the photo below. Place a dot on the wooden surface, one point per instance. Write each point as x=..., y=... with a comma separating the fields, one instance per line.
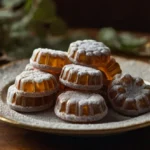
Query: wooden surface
x=12, y=138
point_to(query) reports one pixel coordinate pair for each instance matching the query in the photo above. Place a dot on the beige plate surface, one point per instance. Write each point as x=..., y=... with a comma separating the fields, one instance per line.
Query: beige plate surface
x=47, y=122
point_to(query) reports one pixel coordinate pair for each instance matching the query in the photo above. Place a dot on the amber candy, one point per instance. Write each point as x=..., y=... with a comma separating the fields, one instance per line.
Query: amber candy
x=28, y=104
x=76, y=106
x=88, y=52
x=81, y=77
x=49, y=60
x=35, y=83
x=110, y=69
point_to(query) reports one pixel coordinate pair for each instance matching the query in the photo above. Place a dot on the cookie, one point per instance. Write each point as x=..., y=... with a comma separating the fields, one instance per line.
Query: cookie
x=81, y=77
x=35, y=83
x=49, y=60
x=75, y=106
x=129, y=95
x=28, y=104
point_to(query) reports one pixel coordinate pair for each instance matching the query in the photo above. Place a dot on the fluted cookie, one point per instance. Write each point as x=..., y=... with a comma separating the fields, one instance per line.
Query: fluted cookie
x=89, y=52
x=110, y=69
x=75, y=106
x=35, y=83
x=28, y=104
x=129, y=95
x=81, y=77
x=49, y=60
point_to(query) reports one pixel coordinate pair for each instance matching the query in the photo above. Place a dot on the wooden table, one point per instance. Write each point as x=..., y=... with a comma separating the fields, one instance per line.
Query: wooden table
x=12, y=138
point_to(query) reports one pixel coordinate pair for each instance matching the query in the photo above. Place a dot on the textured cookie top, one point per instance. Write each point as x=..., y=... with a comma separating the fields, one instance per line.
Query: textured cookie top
x=76, y=96
x=81, y=69
x=129, y=95
x=44, y=51
x=90, y=47
x=34, y=75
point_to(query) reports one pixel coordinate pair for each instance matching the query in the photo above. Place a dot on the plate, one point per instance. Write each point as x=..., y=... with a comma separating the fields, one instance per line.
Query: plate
x=46, y=121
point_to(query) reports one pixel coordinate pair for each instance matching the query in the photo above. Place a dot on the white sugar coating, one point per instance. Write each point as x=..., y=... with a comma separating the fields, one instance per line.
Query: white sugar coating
x=94, y=81
x=52, y=52
x=10, y=94
x=12, y=91
x=79, y=100
x=34, y=75
x=44, y=67
x=90, y=47
x=48, y=55
x=76, y=96
x=30, y=109
x=29, y=67
x=81, y=69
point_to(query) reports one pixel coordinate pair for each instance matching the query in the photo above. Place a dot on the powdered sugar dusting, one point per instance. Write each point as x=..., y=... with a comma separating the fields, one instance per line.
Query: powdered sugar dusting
x=52, y=52
x=34, y=75
x=133, y=92
x=78, y=101
x=90, y=47
x=81, y=69
x=71, y=76
x=77, y=96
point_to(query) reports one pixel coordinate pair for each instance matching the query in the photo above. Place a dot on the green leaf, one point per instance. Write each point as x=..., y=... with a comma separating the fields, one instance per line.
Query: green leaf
x=23, y=46
x=45, y=12
x=130, y=41
x=58, y=26
x=28, y=5
x=7, y=15
x=109, y=37
x=11, y=3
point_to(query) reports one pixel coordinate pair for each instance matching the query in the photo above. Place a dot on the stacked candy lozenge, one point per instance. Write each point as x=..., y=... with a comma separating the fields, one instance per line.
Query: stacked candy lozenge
x=36, y=90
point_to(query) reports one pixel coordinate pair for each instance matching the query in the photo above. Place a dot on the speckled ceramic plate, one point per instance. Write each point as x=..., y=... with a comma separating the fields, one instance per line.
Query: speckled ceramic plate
x=46, y=121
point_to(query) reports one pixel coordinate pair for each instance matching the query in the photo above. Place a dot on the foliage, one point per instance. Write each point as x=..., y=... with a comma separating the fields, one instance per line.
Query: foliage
x=123, y=42
x=26, y=24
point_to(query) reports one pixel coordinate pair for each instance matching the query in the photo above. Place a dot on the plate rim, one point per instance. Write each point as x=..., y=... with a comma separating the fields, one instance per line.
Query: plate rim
x=76, y=132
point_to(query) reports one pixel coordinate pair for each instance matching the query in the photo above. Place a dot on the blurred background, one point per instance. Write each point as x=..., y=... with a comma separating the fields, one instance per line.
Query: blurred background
x=124, y=26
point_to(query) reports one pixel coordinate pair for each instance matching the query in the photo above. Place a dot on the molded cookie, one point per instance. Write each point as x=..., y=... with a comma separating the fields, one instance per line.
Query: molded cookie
x=49, y=60
x=81, y=77
x=129, y=95
x=75, y=106
x=28, y=104
x=35, y=83
x=89, y=52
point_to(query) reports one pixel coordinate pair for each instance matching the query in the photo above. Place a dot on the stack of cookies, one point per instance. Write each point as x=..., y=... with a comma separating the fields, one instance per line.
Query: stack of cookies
x=35, y=89
x=92, y=68
x=77, y=78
